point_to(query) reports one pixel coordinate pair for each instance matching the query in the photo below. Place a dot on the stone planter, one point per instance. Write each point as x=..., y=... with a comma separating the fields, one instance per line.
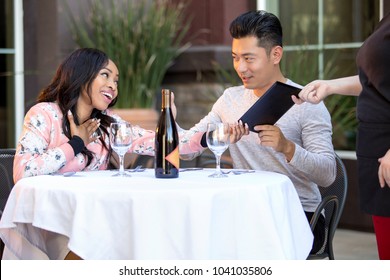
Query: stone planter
x=145, y=118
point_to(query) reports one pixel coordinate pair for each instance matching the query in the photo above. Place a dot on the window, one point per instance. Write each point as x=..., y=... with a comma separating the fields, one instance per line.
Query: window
x=6, y=69
x=331, y=30
x=11, y=71
x=321, y=40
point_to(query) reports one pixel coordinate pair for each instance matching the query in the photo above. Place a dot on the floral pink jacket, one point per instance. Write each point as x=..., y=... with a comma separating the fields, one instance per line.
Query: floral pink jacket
x=43, y=147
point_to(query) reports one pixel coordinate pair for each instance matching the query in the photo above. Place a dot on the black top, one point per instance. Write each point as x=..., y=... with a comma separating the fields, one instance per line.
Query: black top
x=373, y=61
x=373, y=111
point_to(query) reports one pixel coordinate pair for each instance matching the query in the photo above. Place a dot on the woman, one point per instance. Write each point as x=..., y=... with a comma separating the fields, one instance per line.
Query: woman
x=372, y=85
x=67, y=130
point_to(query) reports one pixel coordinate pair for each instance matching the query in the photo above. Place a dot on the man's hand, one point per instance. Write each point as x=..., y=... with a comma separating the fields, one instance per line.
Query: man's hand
x=272, y=136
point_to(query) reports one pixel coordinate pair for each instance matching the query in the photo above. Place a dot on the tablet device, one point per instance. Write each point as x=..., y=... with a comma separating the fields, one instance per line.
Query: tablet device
x=271, y=106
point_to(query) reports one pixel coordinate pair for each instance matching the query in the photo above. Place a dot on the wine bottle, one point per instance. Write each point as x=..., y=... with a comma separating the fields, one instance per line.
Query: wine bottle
x=167, y=161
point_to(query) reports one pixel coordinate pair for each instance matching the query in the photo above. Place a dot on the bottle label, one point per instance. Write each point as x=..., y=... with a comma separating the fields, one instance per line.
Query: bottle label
x=174, y=158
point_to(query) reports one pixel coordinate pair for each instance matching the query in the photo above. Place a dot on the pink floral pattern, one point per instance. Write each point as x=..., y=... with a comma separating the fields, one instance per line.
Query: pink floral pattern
x=43, y=147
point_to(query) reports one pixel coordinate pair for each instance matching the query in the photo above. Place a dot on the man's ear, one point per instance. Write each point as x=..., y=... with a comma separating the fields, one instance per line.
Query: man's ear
x=276, y=54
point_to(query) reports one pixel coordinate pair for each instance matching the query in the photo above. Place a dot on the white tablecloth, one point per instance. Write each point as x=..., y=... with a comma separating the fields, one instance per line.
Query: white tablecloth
x=249, y=216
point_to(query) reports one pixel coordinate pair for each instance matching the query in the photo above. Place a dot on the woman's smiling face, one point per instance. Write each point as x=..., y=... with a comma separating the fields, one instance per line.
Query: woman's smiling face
x=104, y=89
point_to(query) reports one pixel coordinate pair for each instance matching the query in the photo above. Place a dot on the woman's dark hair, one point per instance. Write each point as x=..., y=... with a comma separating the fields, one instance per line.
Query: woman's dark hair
x=261, y=24
x=75, y=74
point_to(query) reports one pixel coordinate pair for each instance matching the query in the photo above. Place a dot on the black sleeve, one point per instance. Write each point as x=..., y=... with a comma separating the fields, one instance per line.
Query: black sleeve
x=203, y=141
x=77, y=144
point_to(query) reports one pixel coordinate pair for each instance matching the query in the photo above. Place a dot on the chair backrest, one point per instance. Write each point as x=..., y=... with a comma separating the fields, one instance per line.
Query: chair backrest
x=333, y=200
x=6, y=175
x=338, y=188
x=207, y=160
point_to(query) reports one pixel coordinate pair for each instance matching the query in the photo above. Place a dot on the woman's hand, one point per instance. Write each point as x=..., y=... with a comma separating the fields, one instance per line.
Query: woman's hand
x=237, y=131
x=384, y=170
x=85, y=131
x=313, y=92
x=318, y=90
x=173, y=106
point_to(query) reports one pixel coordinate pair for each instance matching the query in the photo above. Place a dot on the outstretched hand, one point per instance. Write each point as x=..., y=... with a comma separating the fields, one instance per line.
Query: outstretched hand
x=313, y=92
x=85, y=130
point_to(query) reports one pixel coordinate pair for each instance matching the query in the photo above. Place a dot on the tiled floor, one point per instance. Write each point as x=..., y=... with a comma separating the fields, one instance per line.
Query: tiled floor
x=354, y=245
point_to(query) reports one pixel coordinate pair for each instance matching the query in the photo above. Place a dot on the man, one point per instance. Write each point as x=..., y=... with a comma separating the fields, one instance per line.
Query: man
x=299, y=145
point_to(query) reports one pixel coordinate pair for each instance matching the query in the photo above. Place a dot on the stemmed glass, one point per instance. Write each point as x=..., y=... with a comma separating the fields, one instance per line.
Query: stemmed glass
x=218, y=139
x=121, y=137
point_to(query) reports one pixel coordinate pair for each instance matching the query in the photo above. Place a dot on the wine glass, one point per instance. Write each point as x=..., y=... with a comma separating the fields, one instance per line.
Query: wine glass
x=121, y=136
x=218, y=138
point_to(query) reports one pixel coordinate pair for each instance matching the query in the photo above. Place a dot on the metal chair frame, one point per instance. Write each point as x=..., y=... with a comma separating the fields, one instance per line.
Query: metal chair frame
x=332, y=205
x=6, y=181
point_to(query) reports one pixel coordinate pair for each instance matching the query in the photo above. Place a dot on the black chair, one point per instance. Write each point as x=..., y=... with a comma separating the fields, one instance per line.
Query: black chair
x=6, y=181
x=332, y=204
x=207, y=160
x=131, y=161
x=144, y=161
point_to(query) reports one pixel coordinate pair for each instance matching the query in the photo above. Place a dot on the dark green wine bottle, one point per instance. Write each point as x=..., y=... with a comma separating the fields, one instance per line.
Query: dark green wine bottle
x=167, y=160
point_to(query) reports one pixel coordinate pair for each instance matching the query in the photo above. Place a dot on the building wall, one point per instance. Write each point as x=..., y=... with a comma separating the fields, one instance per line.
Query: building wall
x=41, y=52
x=48, y=39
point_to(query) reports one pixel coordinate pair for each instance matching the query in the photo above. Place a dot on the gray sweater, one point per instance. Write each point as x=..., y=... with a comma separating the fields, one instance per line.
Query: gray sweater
x=307, y=125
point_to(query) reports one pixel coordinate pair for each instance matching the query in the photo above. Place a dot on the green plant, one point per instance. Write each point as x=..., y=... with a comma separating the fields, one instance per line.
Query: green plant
x=343, y=112
x=301, y=66
x=142, y=37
